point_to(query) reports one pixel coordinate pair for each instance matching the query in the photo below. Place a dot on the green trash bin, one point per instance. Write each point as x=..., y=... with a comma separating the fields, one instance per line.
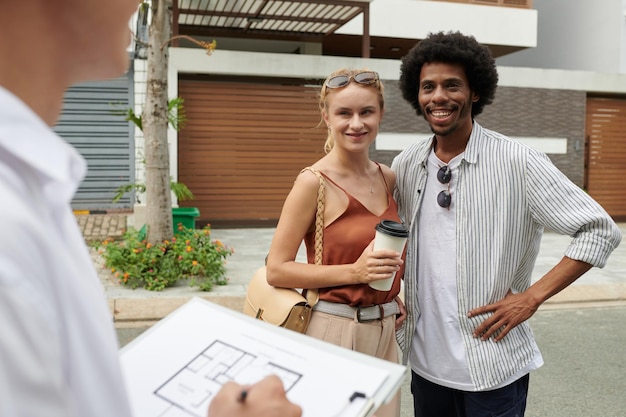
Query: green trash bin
x=185, y=215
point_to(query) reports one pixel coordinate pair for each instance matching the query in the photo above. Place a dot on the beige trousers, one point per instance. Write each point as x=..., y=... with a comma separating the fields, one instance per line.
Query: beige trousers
x=376, y=338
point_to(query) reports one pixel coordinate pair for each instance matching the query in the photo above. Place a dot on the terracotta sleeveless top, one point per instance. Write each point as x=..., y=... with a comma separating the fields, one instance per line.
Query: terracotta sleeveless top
x=344, y=241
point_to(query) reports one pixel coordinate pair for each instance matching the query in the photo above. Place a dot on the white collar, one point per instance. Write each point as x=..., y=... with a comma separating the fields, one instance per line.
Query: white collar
x=24, y=136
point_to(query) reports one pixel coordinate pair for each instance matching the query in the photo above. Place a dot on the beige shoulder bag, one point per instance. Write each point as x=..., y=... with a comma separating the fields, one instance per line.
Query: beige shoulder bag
x=287, y=307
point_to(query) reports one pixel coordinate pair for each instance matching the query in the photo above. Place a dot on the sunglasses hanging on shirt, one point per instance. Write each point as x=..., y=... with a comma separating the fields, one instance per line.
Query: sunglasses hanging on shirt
x=444, y=198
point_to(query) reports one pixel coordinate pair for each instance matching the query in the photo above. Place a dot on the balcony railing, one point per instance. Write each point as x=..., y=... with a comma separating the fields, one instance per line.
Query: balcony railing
x=525, y=4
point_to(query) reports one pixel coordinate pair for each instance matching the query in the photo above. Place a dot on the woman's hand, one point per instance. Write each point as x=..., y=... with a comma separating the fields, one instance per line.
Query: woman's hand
x=374, y=265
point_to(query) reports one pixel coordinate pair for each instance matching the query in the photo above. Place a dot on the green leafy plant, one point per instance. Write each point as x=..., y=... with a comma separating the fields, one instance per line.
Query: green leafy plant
x=180, y=190
x=177, y=118
x=176, y=115
x=191, y=255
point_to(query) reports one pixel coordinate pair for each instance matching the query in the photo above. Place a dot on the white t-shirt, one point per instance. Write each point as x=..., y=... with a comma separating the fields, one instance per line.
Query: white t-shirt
x=58, y=348
x=438, y=353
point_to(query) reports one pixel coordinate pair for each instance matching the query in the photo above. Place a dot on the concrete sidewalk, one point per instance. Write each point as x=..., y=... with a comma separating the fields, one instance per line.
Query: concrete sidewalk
x=140, y=307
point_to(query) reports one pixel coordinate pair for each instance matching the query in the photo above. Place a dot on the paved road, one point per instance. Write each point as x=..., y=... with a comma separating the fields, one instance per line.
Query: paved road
x=585, y=363
x=584, y=351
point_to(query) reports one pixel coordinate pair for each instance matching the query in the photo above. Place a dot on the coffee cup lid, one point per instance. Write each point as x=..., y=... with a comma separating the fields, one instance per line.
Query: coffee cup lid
x=392, y=228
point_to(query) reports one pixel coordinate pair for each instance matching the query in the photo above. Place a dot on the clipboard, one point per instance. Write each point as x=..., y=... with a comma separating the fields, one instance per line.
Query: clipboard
x=176, y=367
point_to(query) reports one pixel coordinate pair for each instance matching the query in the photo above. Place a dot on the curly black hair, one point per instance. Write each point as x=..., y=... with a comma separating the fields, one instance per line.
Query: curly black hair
x=451, y=48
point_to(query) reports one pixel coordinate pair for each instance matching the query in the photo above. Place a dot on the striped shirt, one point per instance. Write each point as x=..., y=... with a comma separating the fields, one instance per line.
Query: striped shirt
x=506, y=194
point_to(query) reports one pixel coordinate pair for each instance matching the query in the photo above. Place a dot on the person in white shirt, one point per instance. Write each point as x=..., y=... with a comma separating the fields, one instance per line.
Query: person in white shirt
x=58, y=348
x=476, y=203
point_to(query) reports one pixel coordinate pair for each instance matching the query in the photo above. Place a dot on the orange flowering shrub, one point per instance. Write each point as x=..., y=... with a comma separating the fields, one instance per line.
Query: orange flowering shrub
x=191, y=255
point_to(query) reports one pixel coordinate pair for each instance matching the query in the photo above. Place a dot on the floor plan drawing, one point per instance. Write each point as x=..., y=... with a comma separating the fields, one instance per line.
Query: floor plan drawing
x=192, y=388
x=178, y=366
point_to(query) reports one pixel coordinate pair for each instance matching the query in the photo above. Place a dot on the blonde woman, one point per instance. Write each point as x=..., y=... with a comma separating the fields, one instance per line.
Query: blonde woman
x=358, y=195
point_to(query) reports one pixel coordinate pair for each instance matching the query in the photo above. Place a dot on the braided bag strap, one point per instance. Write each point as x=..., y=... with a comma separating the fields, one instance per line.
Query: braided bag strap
x=311, y=294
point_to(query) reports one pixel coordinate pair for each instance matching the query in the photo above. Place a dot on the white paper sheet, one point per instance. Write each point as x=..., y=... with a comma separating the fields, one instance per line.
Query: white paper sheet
x=178, y=365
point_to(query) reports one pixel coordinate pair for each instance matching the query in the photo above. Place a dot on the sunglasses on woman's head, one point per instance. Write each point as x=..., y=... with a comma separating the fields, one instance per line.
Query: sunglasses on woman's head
x=365, y=77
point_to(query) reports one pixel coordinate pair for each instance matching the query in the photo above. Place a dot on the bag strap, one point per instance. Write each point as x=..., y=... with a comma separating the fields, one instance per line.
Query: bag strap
x=319, y=216
x=312, y=295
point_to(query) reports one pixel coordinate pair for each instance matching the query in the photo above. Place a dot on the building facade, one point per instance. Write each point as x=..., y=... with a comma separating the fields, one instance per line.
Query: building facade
x=253, y=118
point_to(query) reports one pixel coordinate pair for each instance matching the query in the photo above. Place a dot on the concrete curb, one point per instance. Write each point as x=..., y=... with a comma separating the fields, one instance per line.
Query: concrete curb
x=135, y=311
x=131, y=312
x=583, y=293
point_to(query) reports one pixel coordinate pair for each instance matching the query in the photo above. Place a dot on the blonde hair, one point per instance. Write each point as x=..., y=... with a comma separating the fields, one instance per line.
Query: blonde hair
x=323, y=101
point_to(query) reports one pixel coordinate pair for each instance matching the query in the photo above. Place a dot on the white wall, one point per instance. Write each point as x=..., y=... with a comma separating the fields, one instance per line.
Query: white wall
x=223, y=62
x=140, y=98
x=578, y=35
x=622, y=63
x=415, y=19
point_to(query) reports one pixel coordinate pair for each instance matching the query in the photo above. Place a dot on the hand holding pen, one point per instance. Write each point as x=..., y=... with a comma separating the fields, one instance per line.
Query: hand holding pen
x=266, y=398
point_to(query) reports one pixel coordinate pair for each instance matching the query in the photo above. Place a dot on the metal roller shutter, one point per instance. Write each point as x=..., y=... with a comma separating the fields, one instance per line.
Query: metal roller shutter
x=243, y=145
x=606, y=154
x=104, y=139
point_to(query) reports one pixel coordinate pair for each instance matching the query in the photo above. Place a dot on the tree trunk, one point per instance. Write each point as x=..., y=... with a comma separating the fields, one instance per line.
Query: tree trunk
x=158, y=194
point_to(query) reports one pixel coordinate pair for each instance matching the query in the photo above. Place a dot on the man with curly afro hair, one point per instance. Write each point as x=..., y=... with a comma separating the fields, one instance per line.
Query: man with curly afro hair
x=476, y=203
x=480, y=67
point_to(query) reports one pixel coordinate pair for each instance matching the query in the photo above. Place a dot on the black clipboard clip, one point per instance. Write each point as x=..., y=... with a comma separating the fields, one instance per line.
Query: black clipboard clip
x=356, y=398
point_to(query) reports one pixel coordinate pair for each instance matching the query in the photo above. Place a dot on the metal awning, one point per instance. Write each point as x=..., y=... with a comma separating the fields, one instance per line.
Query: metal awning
x=304, y=20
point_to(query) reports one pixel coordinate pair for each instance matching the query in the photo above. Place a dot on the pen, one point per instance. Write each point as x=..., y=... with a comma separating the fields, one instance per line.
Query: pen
x=242, y=396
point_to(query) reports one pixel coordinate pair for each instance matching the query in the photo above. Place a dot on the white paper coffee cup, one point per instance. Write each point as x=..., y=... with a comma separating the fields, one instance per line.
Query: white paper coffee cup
x=389, y=235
